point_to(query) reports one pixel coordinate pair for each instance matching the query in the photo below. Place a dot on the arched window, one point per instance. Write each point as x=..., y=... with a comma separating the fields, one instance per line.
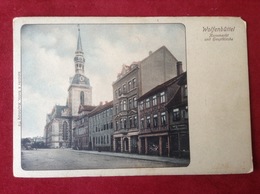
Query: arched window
x=82, y=98
x=65, y=131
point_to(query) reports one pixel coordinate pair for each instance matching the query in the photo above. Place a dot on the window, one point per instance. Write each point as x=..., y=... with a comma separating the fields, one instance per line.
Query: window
x=148, y=122
x=147, y=103
x=129, y=85
x=116, y=109
x=142, y=123
x=120, y=105
x=121, y=123
x=162, y=96
x=129, y=104
x=176, y=114
x=124, y=105
x=134, y=82
x=163, y=119
x=124, y=123
x=116, y=94
x=107, y=139
x=155, y=120
x=130, y=122
x=82, y=98
x=185, y=91
x=183, y=114
x=135, y=102
x=111, y=125
x=117, y=125
x=135, y=121
x=119, y=91
x=154, y=100
x=124, y=88
x=65, y=130
x=141, y=105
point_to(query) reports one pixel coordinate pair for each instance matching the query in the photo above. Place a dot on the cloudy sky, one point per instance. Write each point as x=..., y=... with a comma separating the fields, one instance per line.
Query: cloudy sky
x=47, y=61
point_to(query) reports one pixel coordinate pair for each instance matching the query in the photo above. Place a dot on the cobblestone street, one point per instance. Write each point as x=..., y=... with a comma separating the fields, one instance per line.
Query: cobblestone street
x=67, y=159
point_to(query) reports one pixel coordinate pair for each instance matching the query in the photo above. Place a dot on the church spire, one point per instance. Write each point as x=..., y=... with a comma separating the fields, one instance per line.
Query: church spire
x=79, y=59
x=79, y=45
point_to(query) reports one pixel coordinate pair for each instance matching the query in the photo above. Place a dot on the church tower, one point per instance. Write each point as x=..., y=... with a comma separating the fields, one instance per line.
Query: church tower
x=79, y=59
x=80, y=91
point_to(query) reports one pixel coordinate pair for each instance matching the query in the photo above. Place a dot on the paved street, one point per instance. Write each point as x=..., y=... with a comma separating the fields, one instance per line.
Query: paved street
x=67, y=159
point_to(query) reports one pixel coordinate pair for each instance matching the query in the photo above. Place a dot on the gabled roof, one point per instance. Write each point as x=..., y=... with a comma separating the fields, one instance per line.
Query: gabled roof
x=86, y=108
x=163, y=86
x=101, y=108
x=176, y=98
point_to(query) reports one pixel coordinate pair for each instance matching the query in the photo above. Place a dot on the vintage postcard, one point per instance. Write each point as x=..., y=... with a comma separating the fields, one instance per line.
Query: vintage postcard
x=115, y=96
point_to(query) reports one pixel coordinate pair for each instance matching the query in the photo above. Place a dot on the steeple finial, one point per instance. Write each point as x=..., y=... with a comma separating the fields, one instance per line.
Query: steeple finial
x=79, y=45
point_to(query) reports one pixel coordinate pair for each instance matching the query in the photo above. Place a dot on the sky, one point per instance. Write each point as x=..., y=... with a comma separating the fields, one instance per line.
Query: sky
x=47, y=61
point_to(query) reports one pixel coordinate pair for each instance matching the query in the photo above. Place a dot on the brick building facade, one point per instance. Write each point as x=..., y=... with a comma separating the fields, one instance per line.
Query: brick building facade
x=163, y=118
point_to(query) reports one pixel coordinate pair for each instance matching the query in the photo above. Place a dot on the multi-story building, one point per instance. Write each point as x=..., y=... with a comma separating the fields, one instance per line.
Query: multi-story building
x=177, y=109
x=101, y=127
x=125, y=109
x=133, y=81
x=163, y=113
x=81, y=138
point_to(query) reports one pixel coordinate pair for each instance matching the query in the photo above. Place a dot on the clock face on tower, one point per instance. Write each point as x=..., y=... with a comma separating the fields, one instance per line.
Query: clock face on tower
x=81, y=78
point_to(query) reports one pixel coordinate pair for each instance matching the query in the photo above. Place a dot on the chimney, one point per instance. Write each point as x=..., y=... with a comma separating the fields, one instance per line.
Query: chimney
x=101, y=103
x=179, y=68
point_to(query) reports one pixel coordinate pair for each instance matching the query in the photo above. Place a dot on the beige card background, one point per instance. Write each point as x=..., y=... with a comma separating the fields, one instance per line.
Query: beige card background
x=218, y=97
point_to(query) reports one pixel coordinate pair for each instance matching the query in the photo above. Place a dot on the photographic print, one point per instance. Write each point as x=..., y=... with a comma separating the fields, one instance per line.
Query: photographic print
x=97, y=96
x=118, y=96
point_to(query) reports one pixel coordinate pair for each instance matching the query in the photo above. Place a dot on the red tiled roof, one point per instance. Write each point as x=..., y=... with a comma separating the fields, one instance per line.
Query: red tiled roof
x=86, y=108
x=100, y=108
